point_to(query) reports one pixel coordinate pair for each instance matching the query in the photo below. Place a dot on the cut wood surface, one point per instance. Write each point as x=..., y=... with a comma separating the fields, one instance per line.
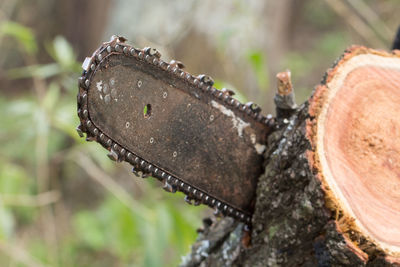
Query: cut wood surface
x=330, y=194
x=357, y=145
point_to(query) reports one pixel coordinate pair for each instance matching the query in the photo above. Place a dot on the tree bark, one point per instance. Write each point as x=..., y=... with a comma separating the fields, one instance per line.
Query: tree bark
x=330, y=193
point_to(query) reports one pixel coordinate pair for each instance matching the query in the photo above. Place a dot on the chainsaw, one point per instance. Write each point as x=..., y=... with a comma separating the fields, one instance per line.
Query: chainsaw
x=174, y=126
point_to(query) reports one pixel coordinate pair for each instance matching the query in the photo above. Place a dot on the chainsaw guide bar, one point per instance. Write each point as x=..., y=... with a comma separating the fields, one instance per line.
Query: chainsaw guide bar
x=173, y=126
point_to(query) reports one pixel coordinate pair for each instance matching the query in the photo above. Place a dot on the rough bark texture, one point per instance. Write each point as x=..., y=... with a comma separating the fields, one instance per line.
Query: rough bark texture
x=292, y=225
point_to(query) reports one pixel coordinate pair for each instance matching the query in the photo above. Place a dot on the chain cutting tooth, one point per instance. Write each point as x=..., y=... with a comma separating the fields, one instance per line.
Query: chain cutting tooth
x=113, y=155
x=169, y=188
x=188, y=200
x=152, y=52
x=227, y=91
x=117, y=38
x=139, y=173
x=79, y=130
x=253, y=107
x=90, y=138
x=206, y=79
x=176, y=63
x=217, y=212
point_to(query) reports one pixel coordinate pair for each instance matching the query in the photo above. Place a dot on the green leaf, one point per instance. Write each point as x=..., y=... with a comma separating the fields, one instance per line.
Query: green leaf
x=51, y=98
x=38, y=71
x=257, y=62
x=89, y=229
x=23, y=34
x=13, y=179
x=63, y=52
x=6, y=222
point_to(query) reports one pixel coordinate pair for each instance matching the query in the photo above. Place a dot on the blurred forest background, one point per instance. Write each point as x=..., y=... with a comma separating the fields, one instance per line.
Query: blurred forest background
x=62, y=202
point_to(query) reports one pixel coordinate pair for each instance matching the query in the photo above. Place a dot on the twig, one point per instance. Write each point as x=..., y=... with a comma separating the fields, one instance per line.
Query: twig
x=355, y=22
x=20, y=255
x=108, y=183
x=39, y=200
x=374, y=21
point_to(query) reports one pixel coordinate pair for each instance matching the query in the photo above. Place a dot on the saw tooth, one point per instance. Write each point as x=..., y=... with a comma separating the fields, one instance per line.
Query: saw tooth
x=139, y=173
x=176, y=63
x=228, y=91
x=135, y=172
x=79, y=130
x=188, y=200
x=113, y=155
x=206, y=79
x=87, y=83
x=169, y=188
x=217, y=212
x=110, y=49
x=117, y=38
x=90, y=138
x=253, y=107
x=152, y=52
x=118, y=48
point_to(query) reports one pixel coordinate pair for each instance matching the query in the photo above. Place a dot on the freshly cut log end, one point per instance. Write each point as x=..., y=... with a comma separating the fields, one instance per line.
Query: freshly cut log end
x=354, y=130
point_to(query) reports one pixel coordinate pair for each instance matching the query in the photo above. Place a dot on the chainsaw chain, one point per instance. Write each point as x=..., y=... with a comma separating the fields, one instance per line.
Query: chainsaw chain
x=140, y=166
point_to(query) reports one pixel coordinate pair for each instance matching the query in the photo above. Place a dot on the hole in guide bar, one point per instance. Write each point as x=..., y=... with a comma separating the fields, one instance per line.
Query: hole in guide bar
x=147, y=111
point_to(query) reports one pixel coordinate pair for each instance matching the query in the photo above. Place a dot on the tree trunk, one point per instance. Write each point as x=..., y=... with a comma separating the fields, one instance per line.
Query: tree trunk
x=330, y=194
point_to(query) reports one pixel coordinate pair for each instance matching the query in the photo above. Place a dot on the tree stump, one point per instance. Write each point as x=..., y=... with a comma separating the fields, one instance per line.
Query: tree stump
x=330, y=193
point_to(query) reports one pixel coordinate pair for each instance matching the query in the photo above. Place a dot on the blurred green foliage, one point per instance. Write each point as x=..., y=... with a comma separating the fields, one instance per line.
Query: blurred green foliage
x=40, y=155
